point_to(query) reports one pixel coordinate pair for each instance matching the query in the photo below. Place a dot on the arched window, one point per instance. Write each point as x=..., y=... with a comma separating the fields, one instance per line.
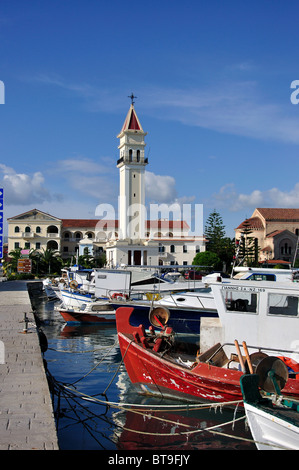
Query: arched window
x=52, y=229
x=138, y=155
x=130, y=155
x=38, y=230
x=52, y=244
x=17, y=229
x=27, y=229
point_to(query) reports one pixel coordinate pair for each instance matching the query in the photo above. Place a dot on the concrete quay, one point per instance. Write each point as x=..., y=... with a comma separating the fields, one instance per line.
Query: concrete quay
x=26, y=412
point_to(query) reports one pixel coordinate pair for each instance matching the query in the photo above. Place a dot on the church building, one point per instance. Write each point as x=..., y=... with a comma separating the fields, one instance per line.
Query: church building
x=276, y=231
x=134, y=239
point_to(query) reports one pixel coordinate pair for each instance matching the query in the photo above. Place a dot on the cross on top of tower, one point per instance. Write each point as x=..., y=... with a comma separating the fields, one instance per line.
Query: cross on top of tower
x=132, y=98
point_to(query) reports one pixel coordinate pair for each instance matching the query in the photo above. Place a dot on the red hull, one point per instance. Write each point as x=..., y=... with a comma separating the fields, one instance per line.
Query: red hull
x=154, y=374
x=81, y=317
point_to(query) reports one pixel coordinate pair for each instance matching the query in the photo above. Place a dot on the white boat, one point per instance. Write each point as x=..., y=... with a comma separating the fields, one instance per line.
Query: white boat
x=94, y=312
x=50, y=289
x=266, y=274
x=264, y=314
x=273, y=419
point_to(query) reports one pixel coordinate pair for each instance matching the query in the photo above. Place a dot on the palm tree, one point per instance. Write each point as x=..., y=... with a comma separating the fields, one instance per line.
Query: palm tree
x=50, y=258
x=15, y=255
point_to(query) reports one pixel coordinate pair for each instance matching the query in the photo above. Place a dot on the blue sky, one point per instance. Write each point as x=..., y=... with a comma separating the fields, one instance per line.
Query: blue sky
x=213, y=86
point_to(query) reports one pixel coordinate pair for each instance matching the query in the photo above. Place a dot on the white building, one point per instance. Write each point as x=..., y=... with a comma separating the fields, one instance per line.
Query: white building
x=133, y=239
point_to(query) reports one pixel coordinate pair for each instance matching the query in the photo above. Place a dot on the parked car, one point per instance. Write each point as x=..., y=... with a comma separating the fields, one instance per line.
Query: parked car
x=192, y=274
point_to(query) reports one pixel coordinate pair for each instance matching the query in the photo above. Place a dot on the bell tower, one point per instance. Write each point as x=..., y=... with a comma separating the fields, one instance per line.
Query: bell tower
x=131, y=166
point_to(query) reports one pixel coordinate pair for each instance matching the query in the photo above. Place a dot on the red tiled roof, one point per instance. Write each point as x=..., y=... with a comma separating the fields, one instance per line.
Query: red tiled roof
x=273, y=234
x=279, y=214
x=153, y=224
x=88, y=223
x=275, y=261
x=254, y=223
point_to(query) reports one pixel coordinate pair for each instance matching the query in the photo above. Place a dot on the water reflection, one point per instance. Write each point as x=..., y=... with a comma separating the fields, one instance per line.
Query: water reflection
x=96, y=406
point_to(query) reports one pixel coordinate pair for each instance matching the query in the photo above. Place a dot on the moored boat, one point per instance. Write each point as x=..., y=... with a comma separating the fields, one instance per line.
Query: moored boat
x=96, y=312
x=273, y=419
x=264, y=315
x=158, y=365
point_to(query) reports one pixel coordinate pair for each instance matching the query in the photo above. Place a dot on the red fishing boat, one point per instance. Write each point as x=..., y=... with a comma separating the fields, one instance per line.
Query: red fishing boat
x=92, y=312
x=157, y=364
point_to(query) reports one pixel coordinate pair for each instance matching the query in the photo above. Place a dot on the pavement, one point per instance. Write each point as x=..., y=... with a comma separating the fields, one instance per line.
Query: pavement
x=26, y=413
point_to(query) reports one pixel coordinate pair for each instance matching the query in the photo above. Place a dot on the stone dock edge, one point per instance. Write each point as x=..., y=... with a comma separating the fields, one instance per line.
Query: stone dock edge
x=26, y=412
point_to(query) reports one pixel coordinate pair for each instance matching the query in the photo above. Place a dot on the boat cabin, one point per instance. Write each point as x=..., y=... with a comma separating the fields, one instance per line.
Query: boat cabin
x=265, y=315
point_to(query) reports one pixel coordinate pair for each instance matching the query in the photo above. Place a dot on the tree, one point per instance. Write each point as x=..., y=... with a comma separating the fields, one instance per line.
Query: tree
x=215, y=232
x=50, y=260
x=217, y=241
x=15, y=255
x=207, y=259
x=248, y=246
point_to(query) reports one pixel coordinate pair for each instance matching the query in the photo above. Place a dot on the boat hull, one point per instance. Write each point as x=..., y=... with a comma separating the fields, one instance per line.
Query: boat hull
x=75, y=299
x=73, y=316
x=153, y=375
x=270, y=432
x=157, y=374
x=185, y=321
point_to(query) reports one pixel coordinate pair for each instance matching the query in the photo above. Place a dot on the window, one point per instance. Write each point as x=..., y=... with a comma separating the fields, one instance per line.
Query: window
x=138, y=155
x=262, y=277
x=37, y=246
x=27, y=245
x=172, y=249
x=161, y=248
x=185, y=249
x=282, y=304
x=17, y=229
x=52, y=229
x=240, y=300
x=17, y=245
x=27, y=229
x=38, y=230
x=65, y=249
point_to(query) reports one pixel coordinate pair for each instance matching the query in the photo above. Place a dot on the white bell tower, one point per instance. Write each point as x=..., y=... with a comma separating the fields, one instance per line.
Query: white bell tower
x=131, y=166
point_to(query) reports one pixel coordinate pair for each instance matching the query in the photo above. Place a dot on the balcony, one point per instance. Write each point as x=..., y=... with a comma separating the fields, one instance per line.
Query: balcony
x=53, y=235
x=28, y=234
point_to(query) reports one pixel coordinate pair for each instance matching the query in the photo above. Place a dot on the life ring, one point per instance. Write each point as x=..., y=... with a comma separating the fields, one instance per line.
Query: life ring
x=73, y=284
x=119, y=296
x=292, y=365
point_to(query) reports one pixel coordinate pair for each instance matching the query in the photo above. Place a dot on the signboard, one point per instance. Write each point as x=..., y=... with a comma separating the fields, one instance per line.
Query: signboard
x=24, y=265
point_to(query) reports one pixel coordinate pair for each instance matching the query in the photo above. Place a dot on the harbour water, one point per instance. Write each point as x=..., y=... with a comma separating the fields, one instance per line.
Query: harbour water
x=97, y=408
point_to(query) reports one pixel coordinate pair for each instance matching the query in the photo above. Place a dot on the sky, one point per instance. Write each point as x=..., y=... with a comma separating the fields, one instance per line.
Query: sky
x=216, y=92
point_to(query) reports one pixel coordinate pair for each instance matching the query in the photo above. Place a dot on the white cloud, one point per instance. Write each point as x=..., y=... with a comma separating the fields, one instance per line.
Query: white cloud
x=21, y=188
x=237, y=107
x=84, y=177
x=160, y=189
x=228, y=197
